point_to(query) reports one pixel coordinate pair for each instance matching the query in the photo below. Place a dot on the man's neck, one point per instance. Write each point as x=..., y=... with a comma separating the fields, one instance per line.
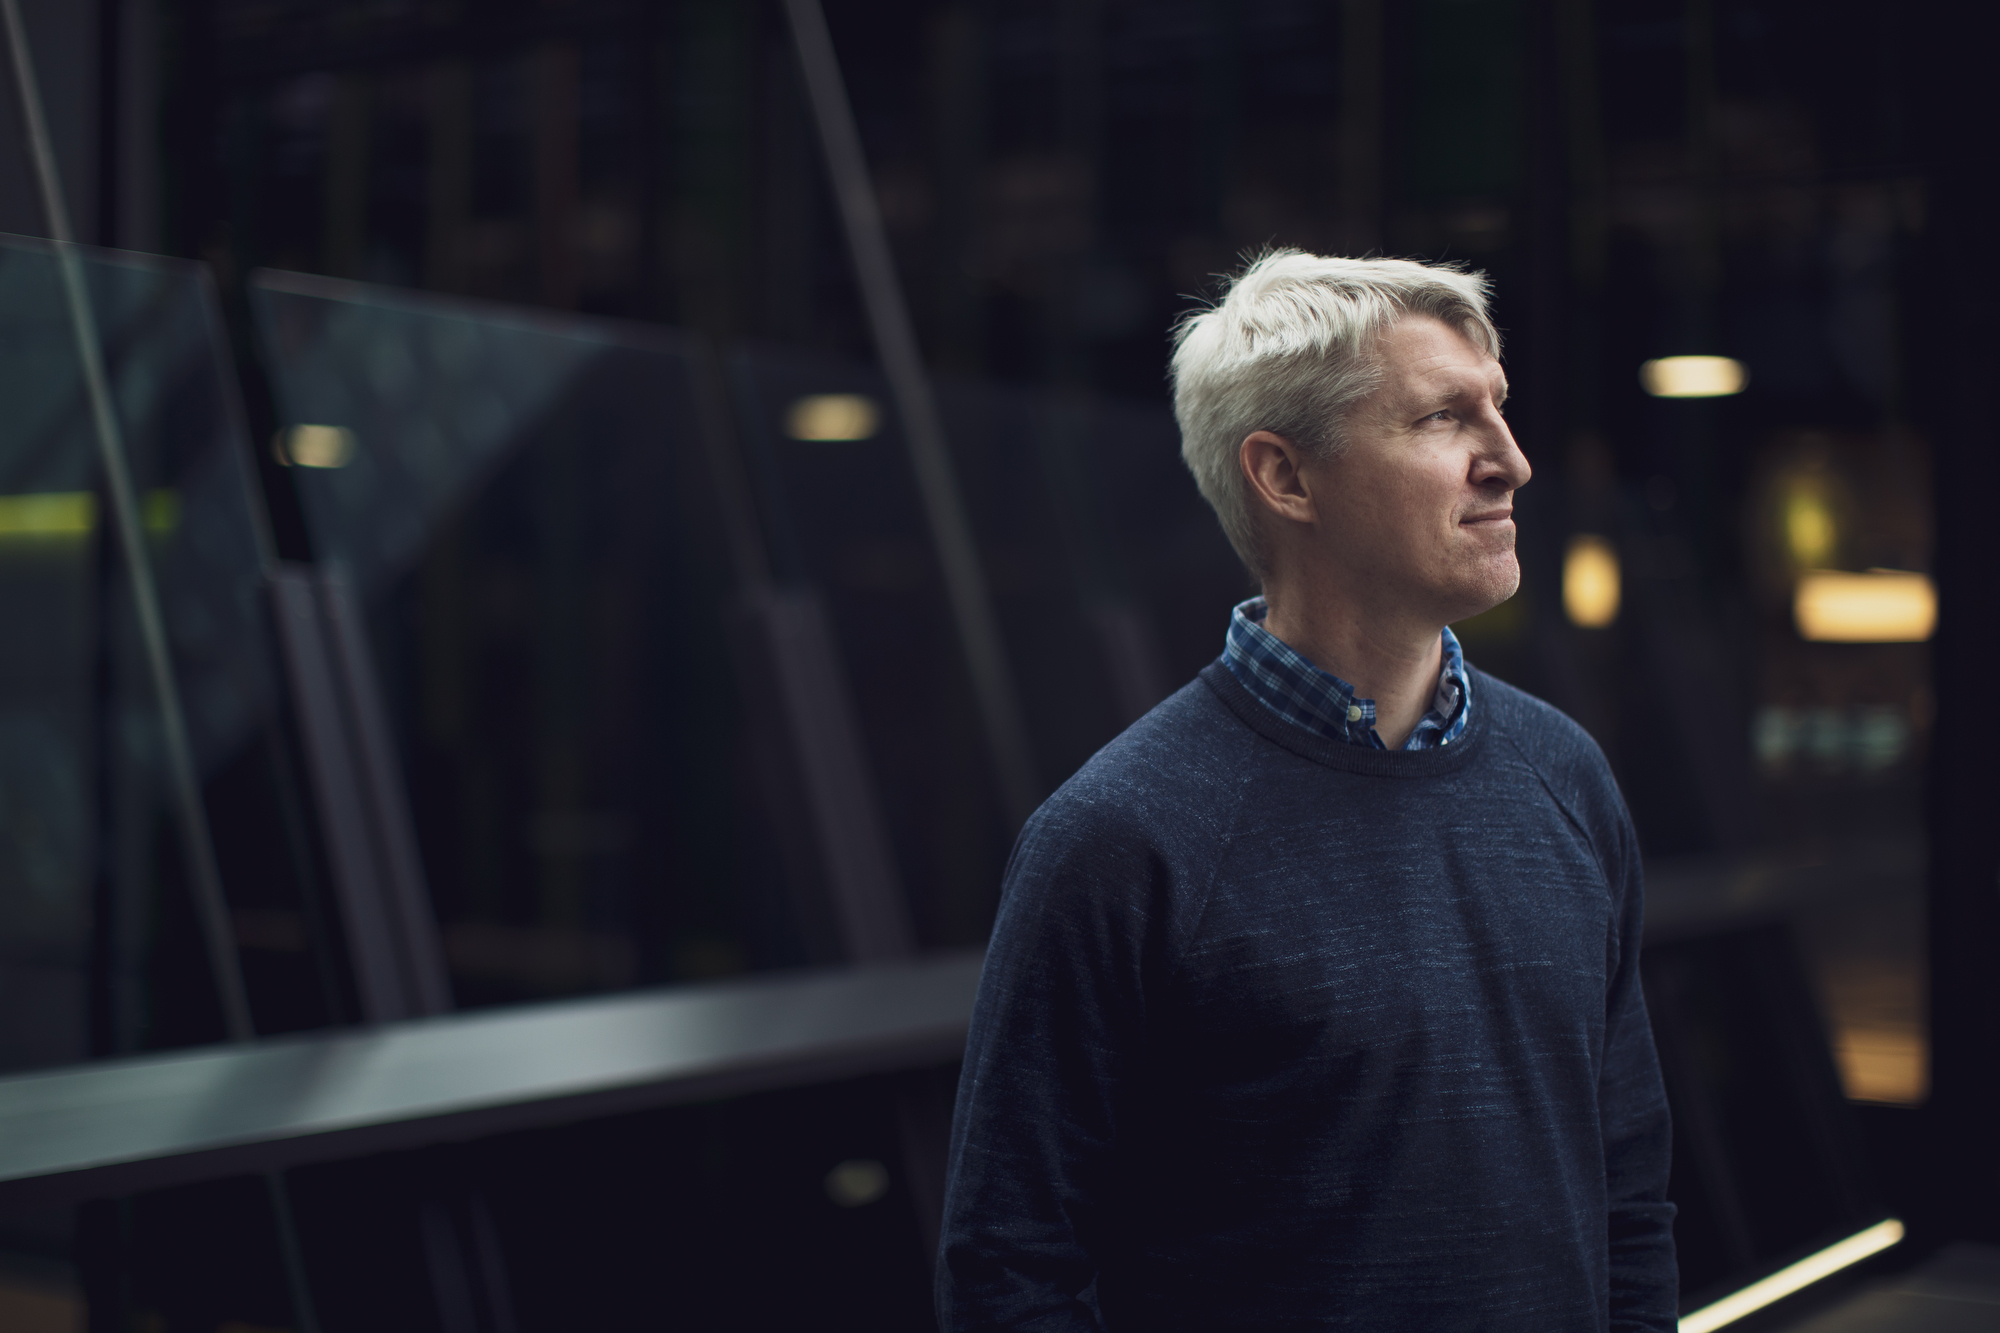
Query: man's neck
x=1393, y=660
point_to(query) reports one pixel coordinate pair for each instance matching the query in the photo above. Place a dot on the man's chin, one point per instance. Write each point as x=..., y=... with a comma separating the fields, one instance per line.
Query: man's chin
x=1478, y=596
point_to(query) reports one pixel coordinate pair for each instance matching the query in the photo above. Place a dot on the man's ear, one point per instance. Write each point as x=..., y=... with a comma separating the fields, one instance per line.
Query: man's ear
x=1274, y=467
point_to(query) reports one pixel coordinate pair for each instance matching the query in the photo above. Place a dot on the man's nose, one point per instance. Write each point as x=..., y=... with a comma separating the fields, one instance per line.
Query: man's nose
x=1502, y=461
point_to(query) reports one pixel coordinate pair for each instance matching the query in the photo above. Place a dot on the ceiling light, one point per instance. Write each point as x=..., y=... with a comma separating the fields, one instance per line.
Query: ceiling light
x=314, y=446
x=1693, y=377
x=829, y=417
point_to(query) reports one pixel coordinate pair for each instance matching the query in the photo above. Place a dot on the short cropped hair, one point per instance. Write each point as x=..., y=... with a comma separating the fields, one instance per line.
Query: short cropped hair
x=1290, y=349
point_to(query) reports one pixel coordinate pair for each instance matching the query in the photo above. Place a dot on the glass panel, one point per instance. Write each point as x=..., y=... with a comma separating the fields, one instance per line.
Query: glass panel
x=1110, y=578
x=523, y=504
x=98, y=946
x=844, y=516
x=51, y=559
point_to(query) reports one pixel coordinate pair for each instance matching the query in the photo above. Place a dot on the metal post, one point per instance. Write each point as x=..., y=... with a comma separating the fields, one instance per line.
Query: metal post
x=923, y=428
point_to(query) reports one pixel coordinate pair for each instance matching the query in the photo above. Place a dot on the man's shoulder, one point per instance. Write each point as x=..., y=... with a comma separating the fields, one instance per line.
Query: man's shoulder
x=1550, y=740
x=1176, y=769
x=1518, y=711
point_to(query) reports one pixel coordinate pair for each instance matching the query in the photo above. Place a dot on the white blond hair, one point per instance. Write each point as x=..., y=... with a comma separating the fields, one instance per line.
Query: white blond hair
x=1290, y=349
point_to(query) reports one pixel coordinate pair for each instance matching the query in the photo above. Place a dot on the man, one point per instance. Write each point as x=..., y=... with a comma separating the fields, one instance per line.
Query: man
x=1313, y=999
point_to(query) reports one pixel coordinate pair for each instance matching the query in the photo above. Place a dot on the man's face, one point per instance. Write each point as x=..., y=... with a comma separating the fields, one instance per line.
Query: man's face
x=1419, y=508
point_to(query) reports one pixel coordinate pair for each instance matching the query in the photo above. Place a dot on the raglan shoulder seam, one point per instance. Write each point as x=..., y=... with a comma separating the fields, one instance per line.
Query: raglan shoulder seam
x=1506, y=722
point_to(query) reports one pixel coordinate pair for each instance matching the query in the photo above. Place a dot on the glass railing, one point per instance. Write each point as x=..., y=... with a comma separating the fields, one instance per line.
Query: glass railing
x=523, y=504
x=100, y=949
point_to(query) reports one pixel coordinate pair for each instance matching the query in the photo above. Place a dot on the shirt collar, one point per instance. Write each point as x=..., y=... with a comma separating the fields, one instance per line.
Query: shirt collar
x=1287, y=683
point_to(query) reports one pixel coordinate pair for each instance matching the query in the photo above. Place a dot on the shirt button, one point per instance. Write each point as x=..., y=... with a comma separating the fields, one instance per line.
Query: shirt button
x=1354, y=712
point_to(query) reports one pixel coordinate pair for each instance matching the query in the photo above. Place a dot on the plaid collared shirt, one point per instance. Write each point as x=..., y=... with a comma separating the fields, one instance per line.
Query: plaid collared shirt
x=1321, y=702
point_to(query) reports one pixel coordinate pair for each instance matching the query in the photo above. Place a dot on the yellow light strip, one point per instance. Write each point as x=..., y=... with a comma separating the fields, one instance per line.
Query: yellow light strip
x=74, y=514
x=1800, y=1275
x=49, y=514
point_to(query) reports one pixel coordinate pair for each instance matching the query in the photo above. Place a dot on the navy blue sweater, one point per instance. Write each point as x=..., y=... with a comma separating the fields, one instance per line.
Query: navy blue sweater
x=1280, y=1033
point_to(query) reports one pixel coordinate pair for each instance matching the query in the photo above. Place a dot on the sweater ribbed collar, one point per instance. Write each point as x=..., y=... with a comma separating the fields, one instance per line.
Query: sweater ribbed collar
x=1338, y=754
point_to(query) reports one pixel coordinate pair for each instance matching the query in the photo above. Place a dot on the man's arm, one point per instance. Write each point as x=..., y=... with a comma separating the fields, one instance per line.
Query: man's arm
x=1632, y=1110
x=1054, y=1035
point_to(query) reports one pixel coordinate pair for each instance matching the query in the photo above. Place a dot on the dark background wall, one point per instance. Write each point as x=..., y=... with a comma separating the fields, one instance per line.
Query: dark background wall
x=68, y=45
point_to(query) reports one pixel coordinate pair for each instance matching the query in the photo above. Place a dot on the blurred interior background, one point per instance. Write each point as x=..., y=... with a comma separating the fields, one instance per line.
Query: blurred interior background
x=519, y=352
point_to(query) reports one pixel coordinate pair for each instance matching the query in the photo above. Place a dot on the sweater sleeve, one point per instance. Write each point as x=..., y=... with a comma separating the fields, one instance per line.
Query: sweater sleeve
x=1055, y=1034
x=1632, y=1108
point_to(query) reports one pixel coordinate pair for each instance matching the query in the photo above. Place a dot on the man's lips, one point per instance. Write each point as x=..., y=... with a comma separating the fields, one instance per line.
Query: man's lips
x=1495, y=516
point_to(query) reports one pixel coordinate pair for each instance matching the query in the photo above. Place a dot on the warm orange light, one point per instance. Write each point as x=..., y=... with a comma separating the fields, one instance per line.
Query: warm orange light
x=1882, y=1063
x=1880, y=606
x=1590, y=582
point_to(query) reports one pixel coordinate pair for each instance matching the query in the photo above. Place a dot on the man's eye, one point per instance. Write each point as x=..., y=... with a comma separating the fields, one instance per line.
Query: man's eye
x=1442, y=414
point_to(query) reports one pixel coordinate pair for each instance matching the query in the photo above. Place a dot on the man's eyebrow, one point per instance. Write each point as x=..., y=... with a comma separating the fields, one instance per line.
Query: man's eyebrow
x=1456, y=393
